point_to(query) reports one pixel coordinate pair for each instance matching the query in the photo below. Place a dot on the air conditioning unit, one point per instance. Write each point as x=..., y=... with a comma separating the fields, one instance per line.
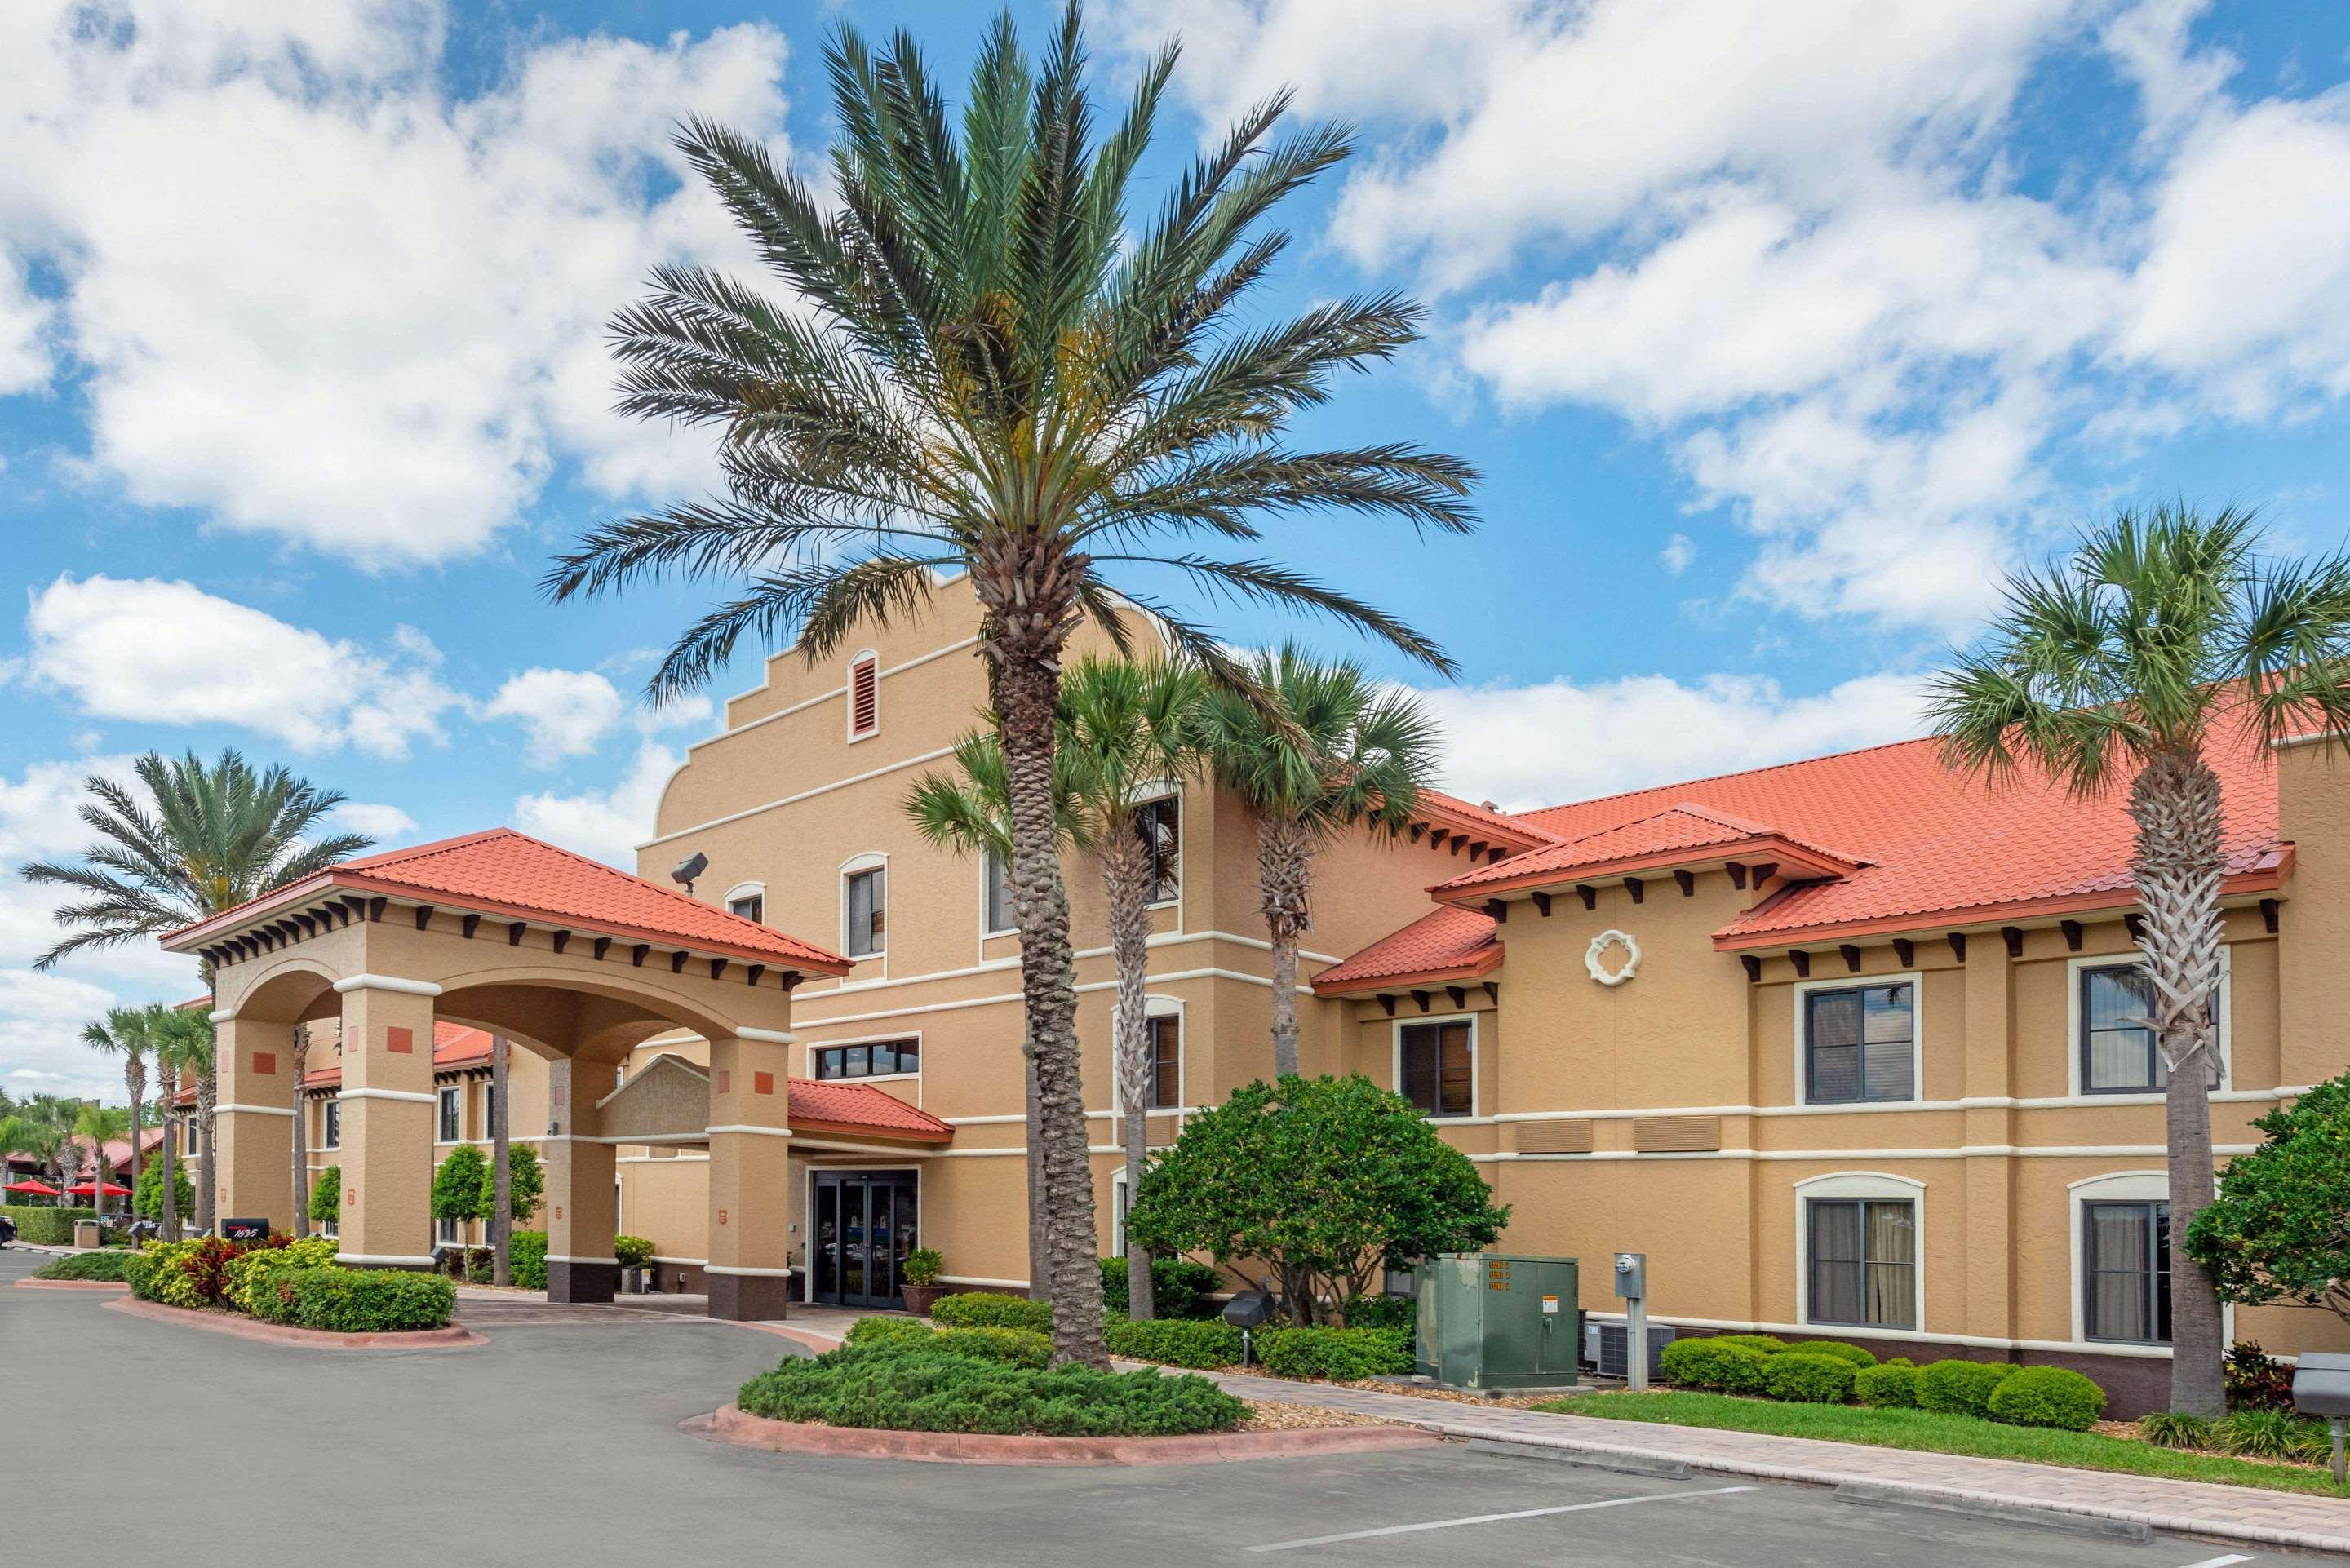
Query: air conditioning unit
x=1604, y=1343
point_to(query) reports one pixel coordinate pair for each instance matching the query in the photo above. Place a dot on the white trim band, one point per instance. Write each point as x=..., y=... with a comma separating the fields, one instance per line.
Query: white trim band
x=569, y=1258
x=351, y=982
x=385, y=1258
x=387, y=1095
x=221, y=1015
x=752, y=1273
x=255, y=1110
x=744, y=1127
x=768, y=1037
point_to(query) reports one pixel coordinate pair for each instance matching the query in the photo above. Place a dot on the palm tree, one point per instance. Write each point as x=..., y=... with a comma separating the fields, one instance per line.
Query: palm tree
x=127, y=1033
x=183, y=1047
x=500, y=1167
x=985, y=366
x=967, y=811
x=206, y=838
x=98, y=1125
x=1338, y=752
x=43, y=1127
x=2124, y=664
x=300, y=1055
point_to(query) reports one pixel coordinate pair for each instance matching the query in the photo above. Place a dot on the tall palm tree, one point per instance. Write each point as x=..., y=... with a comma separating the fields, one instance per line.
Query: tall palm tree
x=2124, y=664
x=194, y=839
x=1338, y=752
x=184, y=1049
x=127, y=1033
x=97, y=1125
x=988, y=368
x=967, y=811
x=43, y=1128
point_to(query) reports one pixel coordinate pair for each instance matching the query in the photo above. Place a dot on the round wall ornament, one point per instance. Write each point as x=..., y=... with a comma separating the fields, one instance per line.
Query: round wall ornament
x=1594, y=957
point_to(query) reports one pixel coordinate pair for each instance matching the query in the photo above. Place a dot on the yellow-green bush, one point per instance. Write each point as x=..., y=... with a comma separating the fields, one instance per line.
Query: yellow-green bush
x=1720, y=1362
x=1962, y=1387
x=256, y=1271
x=1888, y=1386
x=2047, y=1397
x=1808, y=1379
x=991, y=1309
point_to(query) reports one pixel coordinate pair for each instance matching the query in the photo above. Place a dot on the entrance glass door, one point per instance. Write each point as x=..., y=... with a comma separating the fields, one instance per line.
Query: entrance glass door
x=864, y=1228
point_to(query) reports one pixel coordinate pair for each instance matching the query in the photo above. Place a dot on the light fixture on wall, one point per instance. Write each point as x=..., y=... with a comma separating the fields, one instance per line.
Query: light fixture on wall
x=687, y=870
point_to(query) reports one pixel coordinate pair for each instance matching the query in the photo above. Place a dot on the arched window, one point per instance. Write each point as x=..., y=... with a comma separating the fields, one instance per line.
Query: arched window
x=865, y=905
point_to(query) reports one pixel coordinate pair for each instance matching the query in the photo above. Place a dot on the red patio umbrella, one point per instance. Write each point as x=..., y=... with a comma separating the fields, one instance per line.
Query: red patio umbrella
x=113, y=1190
x=39, y=1188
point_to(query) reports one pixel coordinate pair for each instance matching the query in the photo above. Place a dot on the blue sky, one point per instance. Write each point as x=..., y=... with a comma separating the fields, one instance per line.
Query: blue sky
x=1777, y=331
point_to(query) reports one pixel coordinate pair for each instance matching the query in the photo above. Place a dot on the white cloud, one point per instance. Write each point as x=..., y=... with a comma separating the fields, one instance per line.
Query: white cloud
x=690, y=712
x=321, y=299
x=1678, y=552
x=606, y=823
x=387, y=825
x=1526, y=746
x=168, y=652
x=565, y=712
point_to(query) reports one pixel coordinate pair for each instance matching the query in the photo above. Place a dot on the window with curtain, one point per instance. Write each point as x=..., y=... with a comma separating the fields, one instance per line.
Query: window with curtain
x=1863, y=1261
x=1860, y=1043
x=1436, y=1068
x=1166, y=1061
x=1159, y=823
x=868, y=899
x=1000, y=915
x=332, y=1136
x=2117, y=1050
x=2126, y=1258
x=449, y=1108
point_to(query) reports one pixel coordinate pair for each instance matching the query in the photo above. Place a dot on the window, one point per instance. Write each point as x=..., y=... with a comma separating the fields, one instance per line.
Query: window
x=999, y=917
x=2125, y=1264
x=332, y=1136
x=444, y=1233
x=876, y=1059
x=489, y=1110
x=864, y=696
x=1860, y=1042
x=448, y=1109
x=1863, y=1261
x=1158, y=823
x=751, y=906
x=2117, y=1049
x=1436, y=1067
x=1166, y=1061
x=867, y=900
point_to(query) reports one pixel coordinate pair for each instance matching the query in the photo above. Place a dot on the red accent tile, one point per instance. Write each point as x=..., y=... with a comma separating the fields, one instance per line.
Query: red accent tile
x=763, y=1083
x=726, y=1081
x=264, y=1064
x=402, y=1041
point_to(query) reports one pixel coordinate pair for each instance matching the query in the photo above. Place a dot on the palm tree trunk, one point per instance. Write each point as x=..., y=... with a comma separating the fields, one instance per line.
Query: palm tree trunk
x=2176, y=805
x=1028, y=687
x=1285, y=863
x=1125, y=877
x=207, y=1097
x=170, y=1212
x=501, y=1170
x=134, y=1078
x=1040, y=1273
x=301, y=1058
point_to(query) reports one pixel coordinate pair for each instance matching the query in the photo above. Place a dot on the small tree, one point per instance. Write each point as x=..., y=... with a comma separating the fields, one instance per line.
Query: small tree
x=1325, y=1179
x=461, y=1187
x=147, y=1198
x=2279, y=1229
x=327, y=1197
x=525, y=1180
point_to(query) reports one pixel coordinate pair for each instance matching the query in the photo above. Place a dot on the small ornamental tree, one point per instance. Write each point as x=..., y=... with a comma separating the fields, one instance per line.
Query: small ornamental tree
x=525, y=1181
x=461, y=1187
x=1324, y=1179
x=147, y=1198
x=327, y=1197
x=2279, y=1229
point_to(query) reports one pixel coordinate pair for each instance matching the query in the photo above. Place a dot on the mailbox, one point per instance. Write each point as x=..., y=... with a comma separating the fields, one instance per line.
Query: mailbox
x=245, y=1229
x=2321, y=1387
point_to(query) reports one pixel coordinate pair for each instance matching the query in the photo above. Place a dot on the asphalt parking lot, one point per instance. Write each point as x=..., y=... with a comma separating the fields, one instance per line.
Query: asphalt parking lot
x=558, y=1443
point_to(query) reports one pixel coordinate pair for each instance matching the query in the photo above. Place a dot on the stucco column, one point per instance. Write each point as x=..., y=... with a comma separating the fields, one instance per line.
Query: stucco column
x=750, y=1176
x=386, y=1099
x=581, y=1198
x=1989, y=1305
x=252, y=1122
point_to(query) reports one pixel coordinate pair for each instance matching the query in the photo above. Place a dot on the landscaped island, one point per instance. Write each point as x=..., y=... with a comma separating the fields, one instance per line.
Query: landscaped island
x=298, y=1285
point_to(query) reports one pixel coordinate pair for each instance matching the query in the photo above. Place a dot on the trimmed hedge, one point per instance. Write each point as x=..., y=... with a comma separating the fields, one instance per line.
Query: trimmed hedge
x=357, y=1301
x=527, y=1255
x=1762, y=1343
x=873, y=1330
x=1808, y=1379
x=1888, y=1386
x=1715, y=1362
x=991, y=1309
x=254, y=1276
x=908, y=1386
x=39, y=1227
x=1383, y=1312
x=1340, y=1355
x=1962, y=1387
x=1842, y=1352
x=110, y=1265
x=1205, y=1344
x=1180, y=1288
x=633, y=1252
x=2047, y=1397
x=1019, y=1346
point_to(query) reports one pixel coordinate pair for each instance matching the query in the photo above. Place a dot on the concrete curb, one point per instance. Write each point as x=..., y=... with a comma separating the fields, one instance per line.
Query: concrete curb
x=72, y=1285
x=730, y=1425
x=1876, y=1494
x=1619, y=1464
x=453, y=1337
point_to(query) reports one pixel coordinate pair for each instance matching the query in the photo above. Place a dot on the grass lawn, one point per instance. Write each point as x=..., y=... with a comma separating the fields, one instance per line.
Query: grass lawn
x=1933, y=1433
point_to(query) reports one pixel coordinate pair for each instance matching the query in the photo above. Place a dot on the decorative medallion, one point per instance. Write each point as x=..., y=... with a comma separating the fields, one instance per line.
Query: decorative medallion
x=1594, y=957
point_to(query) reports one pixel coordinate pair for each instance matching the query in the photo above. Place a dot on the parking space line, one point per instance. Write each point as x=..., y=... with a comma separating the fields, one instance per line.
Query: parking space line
x=2220, y=1561
x=1519, y=1514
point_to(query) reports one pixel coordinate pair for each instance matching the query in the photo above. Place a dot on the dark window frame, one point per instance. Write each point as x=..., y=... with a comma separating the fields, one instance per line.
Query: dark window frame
x=331, y=1126
x=1159, y=823
x=757, y=909
x=2154, y=1282
x=1811, y=1048
x=2156, y=1078
x=1433, y=1031
x=1813, y=1262
x=995, y=876
x=861, y=1059
x=1166, y=1061
x=449, y=1105
x=875, y=934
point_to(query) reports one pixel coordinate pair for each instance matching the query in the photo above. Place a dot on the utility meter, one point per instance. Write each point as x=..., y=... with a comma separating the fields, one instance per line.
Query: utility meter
x=1632, y=1275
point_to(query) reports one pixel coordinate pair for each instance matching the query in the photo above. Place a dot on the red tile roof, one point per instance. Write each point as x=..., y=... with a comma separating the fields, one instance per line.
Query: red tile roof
x=454, y=1045
x=509, y=874
x=1503, y=831
x=1448, y=944
x=817, y=1105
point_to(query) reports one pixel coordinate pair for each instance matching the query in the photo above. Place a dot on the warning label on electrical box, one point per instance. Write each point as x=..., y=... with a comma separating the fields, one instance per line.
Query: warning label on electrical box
x=1550, y=1304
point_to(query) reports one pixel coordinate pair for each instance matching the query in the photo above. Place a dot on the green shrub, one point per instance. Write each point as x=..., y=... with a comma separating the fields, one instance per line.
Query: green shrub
x=2047, y=1397
x=526, y=1252
x=1212, y=1344
x=914, y=1389
x=38, y=1226
x=327, y=1196
x=2265, y=1434
x=162, y=1274
x=873, y=1330
x=1180, y=1288
x=1842, y=1352
x=1962, y=1387
x=1340, y=1355
x=1761, y=1343
x=1890, y=1386
x=2173, y=1430
x=1717, y=1364
x=362, y=1301
x=1383, y=1312
x=923, y=1266
x=1808, y=1379
x=633, y=1252
x=1019, y=1346
x=254, y=1276
x=989, y=1309
x=85, y=1266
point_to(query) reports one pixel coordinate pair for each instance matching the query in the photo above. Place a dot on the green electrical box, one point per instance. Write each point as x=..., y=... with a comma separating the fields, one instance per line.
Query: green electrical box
x=1498, y=1320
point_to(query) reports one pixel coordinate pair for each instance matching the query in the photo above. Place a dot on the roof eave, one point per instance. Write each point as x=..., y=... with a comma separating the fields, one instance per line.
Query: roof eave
x=1485, y=963
x=1786, y=854
x=869, y=1133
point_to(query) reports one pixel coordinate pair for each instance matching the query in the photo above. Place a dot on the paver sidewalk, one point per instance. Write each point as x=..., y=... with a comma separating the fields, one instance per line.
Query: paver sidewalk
x=2198, y=1508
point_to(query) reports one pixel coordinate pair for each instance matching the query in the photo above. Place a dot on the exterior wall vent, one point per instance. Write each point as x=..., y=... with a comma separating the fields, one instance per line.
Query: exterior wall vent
x=864, y=697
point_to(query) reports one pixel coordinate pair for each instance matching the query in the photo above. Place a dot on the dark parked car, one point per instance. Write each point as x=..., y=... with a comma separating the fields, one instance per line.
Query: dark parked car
x=7, y=1229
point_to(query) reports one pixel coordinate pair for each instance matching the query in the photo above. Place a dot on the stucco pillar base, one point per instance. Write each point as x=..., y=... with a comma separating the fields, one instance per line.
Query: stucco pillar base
x=748, y=1298
x=582, y=1281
